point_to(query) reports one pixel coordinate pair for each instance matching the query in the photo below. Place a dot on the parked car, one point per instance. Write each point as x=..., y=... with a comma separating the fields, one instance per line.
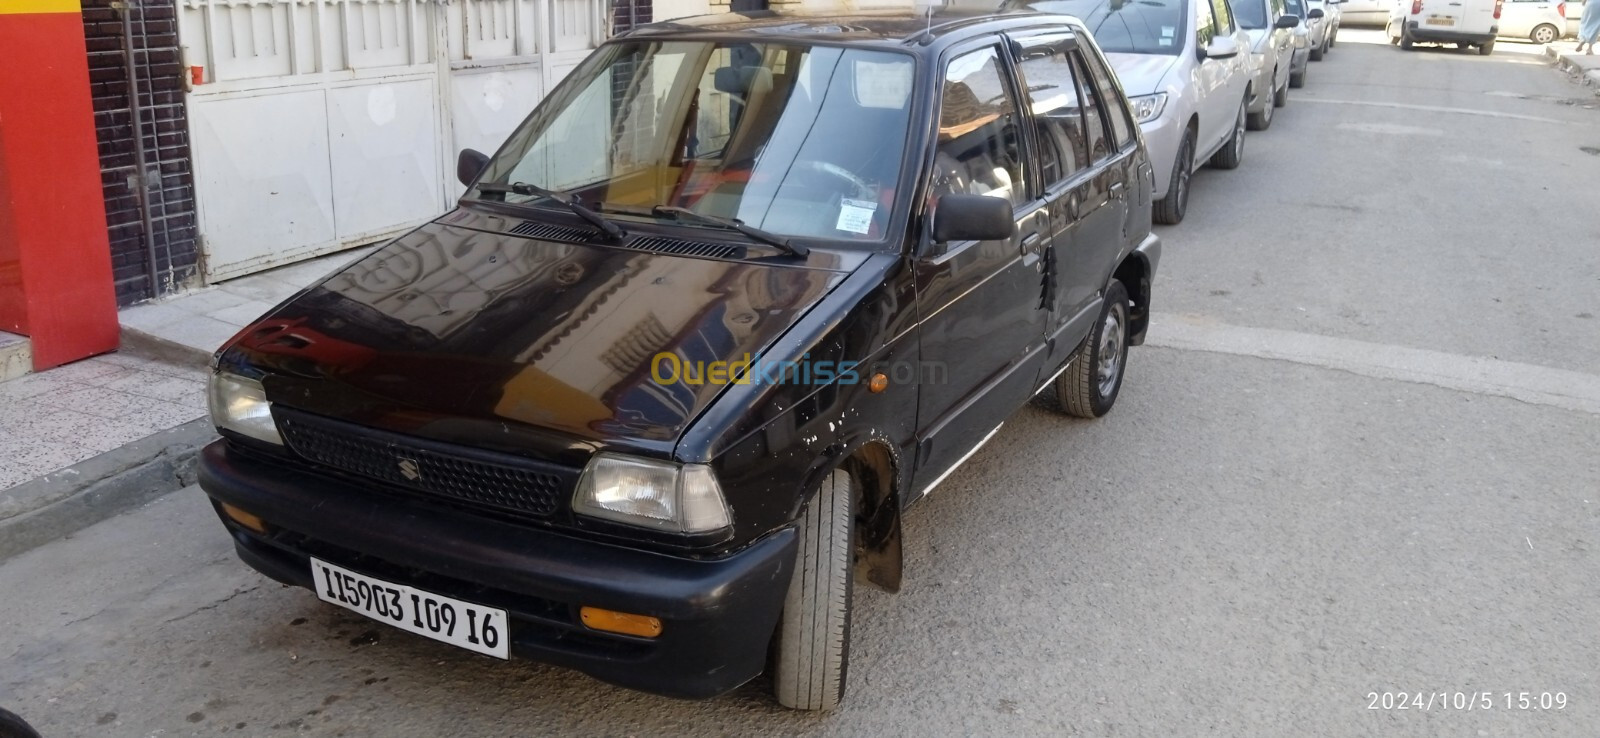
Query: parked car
x=1190, y=88
x=736, y=293
x=1366, y=12
x=1271, y=37
x=1464, y=23
x=1300, y=59
x=1539, y=21
x=1325, y=25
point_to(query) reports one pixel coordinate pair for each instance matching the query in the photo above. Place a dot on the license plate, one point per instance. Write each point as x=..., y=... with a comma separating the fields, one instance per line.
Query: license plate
x=1441, y=21
x=458, y=623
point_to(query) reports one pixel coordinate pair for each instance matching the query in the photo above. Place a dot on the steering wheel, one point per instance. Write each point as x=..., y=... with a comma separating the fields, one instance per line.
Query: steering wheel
x=860, y=188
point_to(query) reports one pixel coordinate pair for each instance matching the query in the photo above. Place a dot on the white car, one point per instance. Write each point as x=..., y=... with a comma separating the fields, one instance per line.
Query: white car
x=1539, y=21
x=1325, y=27
x=1366, y=12
x=1271, y=32
x=1460, y=22
x=1185, y=66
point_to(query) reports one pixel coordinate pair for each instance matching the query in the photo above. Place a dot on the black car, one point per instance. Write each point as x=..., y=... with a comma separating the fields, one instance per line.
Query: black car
x=738, y=292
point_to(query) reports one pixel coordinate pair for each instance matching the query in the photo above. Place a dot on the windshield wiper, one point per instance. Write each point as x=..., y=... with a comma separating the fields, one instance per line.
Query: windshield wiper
x=774, y=239
x=523, y=188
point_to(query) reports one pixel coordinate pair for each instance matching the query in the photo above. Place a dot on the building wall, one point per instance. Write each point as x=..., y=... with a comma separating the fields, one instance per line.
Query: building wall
x=166, y=143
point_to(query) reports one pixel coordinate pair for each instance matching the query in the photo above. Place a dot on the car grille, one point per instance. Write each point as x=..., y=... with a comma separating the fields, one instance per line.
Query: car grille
x=455, y=473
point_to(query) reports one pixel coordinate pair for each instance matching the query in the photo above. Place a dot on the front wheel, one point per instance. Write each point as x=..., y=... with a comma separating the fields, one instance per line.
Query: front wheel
x=813, y=649
x=1232, y=152
x=1169, y=210
x=1281, y=97
x=1089, y=386
x=1297, y=80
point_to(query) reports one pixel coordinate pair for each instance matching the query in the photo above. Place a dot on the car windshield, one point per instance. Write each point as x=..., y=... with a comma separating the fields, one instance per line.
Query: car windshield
x=1127, y=26
x=793, y=139
x=1296, y=8
x=1251, y=14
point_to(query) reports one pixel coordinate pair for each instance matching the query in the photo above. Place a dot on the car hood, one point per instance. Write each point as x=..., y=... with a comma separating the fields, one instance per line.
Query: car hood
x=1141, y=74
x=462, y=332
x=1257, y=38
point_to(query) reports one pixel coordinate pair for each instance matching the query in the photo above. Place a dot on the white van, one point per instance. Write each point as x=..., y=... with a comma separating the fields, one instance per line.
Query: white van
x=1460, y=22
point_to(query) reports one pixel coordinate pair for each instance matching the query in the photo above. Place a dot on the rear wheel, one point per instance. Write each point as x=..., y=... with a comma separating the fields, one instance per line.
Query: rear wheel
x=1544, y=34
x=1298, y=79
x=1169, y=210
x=1405, y=38
x=813, y=648
x=1281, y=97
x=1232, y=152
x=1316, y=54
x=1089, y=386
x=1486, y=48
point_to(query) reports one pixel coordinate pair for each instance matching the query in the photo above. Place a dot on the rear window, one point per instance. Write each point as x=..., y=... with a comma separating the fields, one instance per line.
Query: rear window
x=1129, y=27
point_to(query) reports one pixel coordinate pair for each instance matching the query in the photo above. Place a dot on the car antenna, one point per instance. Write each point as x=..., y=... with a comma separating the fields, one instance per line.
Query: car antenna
x=927, y=33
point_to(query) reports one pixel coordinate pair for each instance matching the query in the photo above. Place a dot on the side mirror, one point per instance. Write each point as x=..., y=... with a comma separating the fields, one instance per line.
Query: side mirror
x=1290, y=21
x=1222, y=47
x=1315, y=13
x=972, y=218
x=470, y=164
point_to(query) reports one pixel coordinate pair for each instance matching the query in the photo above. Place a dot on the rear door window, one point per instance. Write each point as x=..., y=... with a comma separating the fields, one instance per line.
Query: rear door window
x=1111, y=100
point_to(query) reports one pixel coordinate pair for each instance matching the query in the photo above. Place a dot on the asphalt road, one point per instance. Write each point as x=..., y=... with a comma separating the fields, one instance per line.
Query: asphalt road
x=1291, y=509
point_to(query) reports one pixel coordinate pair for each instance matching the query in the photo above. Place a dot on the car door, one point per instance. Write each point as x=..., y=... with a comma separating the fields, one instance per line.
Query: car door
x=1088, y=165
x=1518, y=17
x=982, y=325
x=1282, y=42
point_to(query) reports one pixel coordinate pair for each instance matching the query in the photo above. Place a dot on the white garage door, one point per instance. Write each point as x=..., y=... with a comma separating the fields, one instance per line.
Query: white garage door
x=326, y=124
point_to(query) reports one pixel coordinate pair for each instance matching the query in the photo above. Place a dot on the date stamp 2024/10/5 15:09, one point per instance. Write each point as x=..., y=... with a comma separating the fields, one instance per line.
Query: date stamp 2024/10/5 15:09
x=1466, y=701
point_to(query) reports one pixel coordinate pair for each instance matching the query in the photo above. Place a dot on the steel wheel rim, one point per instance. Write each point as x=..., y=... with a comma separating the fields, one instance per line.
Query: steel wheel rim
x=1185, y=170
x=1238, y=134
x=1542, y=35
x=1112, y=335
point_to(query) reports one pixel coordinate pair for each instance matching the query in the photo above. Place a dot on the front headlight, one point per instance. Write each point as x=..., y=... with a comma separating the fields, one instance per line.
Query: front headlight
x=1147, y=108
x=652, y=494
x=240, y=405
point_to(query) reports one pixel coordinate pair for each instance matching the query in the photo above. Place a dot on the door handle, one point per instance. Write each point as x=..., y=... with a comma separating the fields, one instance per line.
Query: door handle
x=1030, y=242
x=1119, y=190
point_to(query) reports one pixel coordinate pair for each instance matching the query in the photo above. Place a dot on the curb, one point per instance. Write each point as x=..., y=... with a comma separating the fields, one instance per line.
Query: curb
x=71, y=499
x=150, y=346
x=1589, y=78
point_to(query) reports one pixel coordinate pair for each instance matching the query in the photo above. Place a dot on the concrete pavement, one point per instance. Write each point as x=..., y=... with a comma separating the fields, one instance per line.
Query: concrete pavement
x=1324, y=482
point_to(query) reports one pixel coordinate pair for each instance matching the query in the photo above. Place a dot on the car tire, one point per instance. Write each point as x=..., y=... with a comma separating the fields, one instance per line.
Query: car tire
x=1405, y=39
x=1232, y=152
x=1544, y=34
x=1169, y=210
x=13, y=726
x=1298, y=79
x=1263, y=120
x=812, y=654
x=1316, y=54
x=1089, y=386
x=1486, y=48
x=1334, y=37
x=1281, y=97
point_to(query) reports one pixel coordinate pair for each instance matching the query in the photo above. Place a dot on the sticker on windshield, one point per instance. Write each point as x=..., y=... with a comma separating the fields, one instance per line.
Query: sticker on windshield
x=855, y=216
x=1163, y=42
x=1168, y=31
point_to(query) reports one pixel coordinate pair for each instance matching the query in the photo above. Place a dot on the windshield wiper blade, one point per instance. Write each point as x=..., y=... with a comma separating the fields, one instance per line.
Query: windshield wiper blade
x=767, y=237
x=523, y=188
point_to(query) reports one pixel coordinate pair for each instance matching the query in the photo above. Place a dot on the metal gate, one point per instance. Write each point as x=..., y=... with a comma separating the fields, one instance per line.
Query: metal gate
x=325, y=124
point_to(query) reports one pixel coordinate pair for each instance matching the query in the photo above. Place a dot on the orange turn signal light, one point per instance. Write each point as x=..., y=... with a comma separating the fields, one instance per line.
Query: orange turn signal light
x=245, y=519
x=878, y=383
x=620, y=622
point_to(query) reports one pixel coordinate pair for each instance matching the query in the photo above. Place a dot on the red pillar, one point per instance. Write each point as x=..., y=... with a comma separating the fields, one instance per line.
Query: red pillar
x=55, y=258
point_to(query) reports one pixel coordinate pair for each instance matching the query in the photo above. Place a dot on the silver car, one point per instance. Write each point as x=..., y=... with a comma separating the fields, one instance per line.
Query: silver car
x=1304, y=32
x=1271, y=31
x=1184, y=65
x=1324, y=26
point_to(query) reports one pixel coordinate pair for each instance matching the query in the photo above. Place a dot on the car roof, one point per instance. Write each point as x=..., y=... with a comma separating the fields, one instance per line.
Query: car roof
x=887, y=27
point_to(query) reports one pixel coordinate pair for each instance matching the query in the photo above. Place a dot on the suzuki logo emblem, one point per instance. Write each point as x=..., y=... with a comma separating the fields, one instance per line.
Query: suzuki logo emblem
x=409, y=470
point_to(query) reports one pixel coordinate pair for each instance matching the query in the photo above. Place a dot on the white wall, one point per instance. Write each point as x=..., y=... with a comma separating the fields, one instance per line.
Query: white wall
x=668, y=9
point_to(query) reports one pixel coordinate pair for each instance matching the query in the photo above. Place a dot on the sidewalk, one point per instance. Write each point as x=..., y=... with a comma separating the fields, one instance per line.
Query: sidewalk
x=1584, y=66
x=85, y=441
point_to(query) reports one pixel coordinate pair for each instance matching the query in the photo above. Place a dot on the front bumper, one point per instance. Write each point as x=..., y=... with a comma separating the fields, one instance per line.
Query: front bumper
x=717, y=615
x=1162, y=137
